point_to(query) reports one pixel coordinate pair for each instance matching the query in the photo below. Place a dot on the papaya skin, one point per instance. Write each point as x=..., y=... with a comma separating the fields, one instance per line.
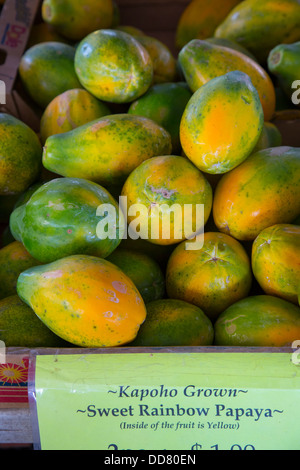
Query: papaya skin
x=172, y=322
x=160, y=183
x=261, y=321
x=75, y=20
x=46, y=70
x=69, y=110
x=261, y=25
x=20, y=327
x=20, y=149
x=270, y=137
x=164, y=63
x=200, y=19
x=60, y=219
x=263, y=191
x=201, y=61
x=113, y=66
x=213, y=277
x=14, y=259
x=164, y=103
x=222, y=123
x=284, y=64
x=106, y=150
x=276, y=261
x=143, y=270
x=85, y=300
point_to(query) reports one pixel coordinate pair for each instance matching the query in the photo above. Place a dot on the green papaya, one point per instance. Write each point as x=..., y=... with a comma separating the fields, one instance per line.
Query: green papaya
x=270, y=137
x=61, y=218
x=164, y=103
x=20, y=326
x=106, y=150
x=284, y=63
x=261, y=25
x=47, y=70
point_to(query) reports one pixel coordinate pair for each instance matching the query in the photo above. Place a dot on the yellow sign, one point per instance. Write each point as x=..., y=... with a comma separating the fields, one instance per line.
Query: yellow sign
x=168, y=401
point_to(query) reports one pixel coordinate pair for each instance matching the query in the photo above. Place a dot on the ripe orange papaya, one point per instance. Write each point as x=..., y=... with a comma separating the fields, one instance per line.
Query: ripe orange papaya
x=222, y=123
x=85, y=300
x=276, y=261
x=262, y=191
x=201, y=61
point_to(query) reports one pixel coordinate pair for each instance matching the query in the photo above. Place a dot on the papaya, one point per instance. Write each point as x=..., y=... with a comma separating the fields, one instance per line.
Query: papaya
x=14, y=259
x=63, y=217
x=201, y=61
x=69, y=110
x=284, y=64
x=85, y=300
x=270, y=137
x=21, y=155
x=127, y=28
x=113, y=66
x=222, y=123
x=166, y=205
x=164, y=103
x=172, y=322
x=143, y=270
x=47, y=70
x=276, y=261
x=224, y=42
x=259, y=321
x=75, y=20
x=262, y=191
x=260, y=26
x=21, y=328
x=106, y=150
x=212, y=277
x=43, y=32
x=200, y=19
x=163, y=60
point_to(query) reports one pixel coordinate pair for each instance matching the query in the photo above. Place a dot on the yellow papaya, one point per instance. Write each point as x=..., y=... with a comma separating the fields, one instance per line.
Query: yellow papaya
x=200, y=19
x=164, y=63
x=261, y=25
x=69, y=110
x=85, y=300
x=201, y=61
x=75, y=19
x=222, y=123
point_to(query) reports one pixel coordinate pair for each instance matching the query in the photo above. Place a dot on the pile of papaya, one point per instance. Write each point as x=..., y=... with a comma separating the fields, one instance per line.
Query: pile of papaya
x=157, y=204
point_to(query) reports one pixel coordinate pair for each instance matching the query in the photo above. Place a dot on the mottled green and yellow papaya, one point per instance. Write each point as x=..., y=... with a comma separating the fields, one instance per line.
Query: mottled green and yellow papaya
x=113, y=66
x=261, y=25
x=222, y=123
x=69, y=110
x=200, y=18
x=75, y=19
x=106, y=150
x=201, y=61
x=21, y=155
